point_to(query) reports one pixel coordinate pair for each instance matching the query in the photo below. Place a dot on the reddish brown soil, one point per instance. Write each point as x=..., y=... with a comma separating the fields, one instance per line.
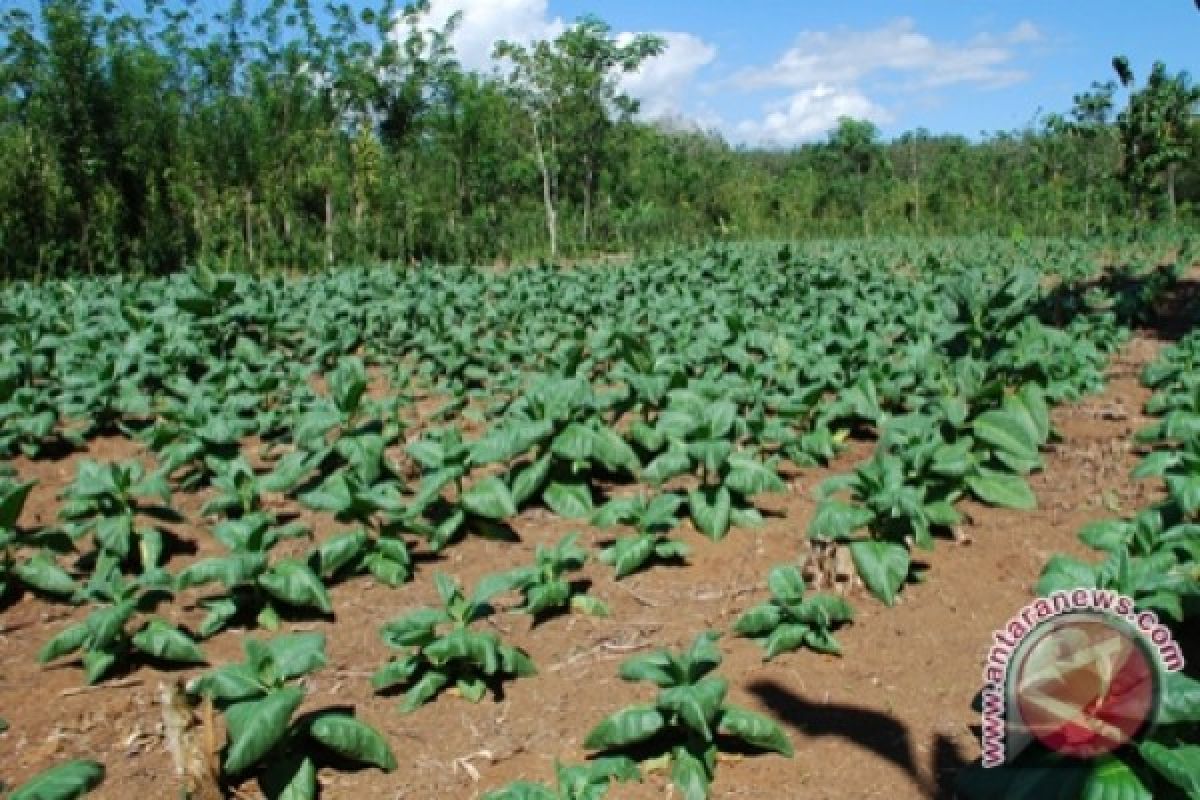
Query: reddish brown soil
x=890, y=719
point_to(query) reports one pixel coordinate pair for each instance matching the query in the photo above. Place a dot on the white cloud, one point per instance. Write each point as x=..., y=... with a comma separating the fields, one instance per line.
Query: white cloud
x=830, y=74
x=485, y=22
x=807, y=115
x=662, y=82
x=843, y=57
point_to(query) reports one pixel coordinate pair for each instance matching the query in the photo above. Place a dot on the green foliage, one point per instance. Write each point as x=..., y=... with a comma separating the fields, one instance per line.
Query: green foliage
x=39, y=570
x=589, y=781
x=652, y=520
x=789, y=621
x=259, y=698
x=1166, y=764
x=65, y=781
x=121, y=629
x=442, y=650
x=109, y=501
x=545, y=585
x=683, y=723
x=254, y=583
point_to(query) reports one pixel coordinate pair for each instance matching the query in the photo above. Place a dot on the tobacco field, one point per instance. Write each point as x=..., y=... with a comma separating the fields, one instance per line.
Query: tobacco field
x=729, y=522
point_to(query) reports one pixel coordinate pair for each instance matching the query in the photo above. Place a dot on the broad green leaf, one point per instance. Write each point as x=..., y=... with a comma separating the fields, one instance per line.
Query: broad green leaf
x=164, y=641
x=43, y=573
x=689, y=774
x=786, y=583
x=836, y=520
x=784, y=639
x=754, y=729
x=628, y=726
x=883, y=567
x=1179, y=765
x=291, y=778
x=1113, y=779
x=1003, y=490
x=710, y=509
x=759, y=620
x=571, y=500
x=296, y=584
x=423, y=690
x=395, y=672
x=1005, y=431
x=256, y=726
x=530, y=479
x=353, y=740
x=294, y=654
x=490, y=498
x=12, y=501
x=748, y=476
x=66, y=781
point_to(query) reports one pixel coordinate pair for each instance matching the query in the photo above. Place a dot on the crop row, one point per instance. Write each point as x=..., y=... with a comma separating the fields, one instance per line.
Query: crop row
x=633, y=396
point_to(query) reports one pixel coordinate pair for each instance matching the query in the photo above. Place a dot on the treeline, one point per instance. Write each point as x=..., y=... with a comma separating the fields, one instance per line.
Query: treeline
x=293, y=137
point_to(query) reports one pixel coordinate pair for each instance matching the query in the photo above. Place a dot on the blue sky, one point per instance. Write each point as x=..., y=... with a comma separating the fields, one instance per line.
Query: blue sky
x=774, y=71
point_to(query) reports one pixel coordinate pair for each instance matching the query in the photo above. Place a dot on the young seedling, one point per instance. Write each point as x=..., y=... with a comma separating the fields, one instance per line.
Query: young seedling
x=108, y=501
x=544, y=584
x=589, y=781
x=652, y=520
x=789, y=621
x=684, y=722
x=442, y=649
x=481, y=508
x=698, y=437
x=259, y=698
x=253, y=583
x=123, y=628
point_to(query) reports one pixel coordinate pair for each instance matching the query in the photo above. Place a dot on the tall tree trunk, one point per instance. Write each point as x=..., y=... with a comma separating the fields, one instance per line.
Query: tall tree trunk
x=1171, y=192
x=547, y=190
x=328, y=227
x=587, y=203
x=247, y=204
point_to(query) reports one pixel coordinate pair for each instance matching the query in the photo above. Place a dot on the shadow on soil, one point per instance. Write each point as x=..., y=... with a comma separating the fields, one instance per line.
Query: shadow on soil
x=1162, y=306
x=879, y=734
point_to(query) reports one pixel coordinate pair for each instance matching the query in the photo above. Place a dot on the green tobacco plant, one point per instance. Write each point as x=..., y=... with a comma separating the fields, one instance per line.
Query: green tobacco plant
x=385, y=557
x=66, y=781
x=259, y=698
x=441, y=648
x=589, y=781
x=558, y=423
x=193, y=439
x=696, y=436
x=123, y=628
x=27, y=421
x=652, y=520
x=108, y=501
x=909, y=487
x=29, y=560
x=683, y=724
x=255, y=584
x=481, y=508
x=789, y=621
x=544, y=585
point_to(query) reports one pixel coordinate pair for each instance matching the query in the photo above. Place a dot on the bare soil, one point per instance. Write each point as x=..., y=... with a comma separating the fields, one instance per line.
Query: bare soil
x=890, y=719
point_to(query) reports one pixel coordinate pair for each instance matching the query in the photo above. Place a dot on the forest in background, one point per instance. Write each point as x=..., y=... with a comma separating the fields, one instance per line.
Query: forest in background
x=294, y=137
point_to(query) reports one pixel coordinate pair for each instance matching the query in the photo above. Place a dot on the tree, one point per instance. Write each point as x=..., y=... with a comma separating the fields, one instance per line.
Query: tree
x=569, y=89
x=1156, y=131
x=859, y=158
